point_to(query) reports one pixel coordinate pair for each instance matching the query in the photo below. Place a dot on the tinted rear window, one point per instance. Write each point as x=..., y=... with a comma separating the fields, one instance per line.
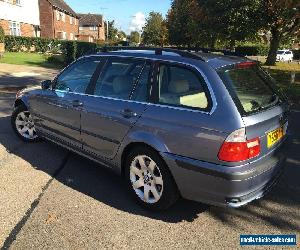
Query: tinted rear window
x=251, y=88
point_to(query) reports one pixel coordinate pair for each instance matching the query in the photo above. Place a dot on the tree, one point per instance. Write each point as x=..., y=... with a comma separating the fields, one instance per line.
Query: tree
x=155, y=31
x=282, y=19
x=135, y=37
x=122, y=35
x=232, y=20
x=183, y=22
x=112, y=31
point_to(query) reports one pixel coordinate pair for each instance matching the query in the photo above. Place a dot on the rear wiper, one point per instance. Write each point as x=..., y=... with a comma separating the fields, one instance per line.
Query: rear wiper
x=255, y=106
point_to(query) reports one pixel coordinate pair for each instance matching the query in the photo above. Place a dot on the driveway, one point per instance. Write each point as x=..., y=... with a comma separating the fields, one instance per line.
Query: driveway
x=53, y=199
x=13, y=77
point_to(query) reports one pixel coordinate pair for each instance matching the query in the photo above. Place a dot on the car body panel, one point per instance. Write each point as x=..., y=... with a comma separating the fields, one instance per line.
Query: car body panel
x=105, y=123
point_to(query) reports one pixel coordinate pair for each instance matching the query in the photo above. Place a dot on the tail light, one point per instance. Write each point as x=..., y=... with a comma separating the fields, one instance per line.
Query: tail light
x=237, y=148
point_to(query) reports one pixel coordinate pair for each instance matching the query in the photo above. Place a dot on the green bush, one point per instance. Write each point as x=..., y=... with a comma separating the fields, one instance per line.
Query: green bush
x=71, y=50
x=2, y=35
x=56, y=59
x=252, y=50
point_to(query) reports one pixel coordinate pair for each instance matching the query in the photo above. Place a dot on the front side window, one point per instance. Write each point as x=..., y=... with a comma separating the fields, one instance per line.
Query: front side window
x=77, y=77
x=118, y=78
x=180, y=86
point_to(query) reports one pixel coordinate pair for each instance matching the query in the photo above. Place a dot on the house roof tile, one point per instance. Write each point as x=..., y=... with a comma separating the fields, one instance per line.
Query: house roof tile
x=62, y=5
x=90, y=19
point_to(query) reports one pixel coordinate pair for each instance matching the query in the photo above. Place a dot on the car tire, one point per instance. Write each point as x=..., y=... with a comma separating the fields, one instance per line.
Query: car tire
x=23, y=125
x=149, y=179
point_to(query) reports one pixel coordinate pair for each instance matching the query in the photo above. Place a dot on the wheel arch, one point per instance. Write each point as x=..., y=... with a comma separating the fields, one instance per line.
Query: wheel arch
x=141, y=139
x=20, y=101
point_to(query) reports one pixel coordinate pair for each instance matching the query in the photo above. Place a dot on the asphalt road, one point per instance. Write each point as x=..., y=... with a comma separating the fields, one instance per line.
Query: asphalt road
x=53, y=199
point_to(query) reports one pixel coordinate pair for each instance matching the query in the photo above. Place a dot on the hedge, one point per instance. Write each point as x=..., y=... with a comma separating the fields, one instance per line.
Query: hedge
x=252, y=50
x=71, y=50
x=1, y=35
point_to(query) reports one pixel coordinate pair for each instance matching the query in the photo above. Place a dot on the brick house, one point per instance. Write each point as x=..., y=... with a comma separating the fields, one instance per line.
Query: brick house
x=20, y=17
x=58, y=20
x=91, y=28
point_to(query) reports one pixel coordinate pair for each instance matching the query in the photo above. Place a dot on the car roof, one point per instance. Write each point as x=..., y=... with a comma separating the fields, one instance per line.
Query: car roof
x=215, y=60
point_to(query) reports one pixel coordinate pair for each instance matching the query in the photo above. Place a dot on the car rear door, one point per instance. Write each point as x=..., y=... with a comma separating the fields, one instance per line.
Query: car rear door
x=117, y=101
x=263, y=107
x=58, y=110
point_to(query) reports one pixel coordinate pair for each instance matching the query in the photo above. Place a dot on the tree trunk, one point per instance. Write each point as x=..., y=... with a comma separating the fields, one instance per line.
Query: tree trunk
x=212, y=42
x=274, y=45
x=232, y=45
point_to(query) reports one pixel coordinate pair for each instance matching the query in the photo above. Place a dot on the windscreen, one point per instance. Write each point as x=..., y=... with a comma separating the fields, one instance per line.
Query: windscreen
x=251, y=88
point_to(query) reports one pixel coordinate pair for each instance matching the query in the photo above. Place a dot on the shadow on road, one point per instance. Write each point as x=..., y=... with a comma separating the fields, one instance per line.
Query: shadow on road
x=20, y=80
x=103, y=185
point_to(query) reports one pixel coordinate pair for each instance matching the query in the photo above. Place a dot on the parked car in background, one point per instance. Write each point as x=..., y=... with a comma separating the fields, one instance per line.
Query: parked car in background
x=202, y=126
x=284, y=56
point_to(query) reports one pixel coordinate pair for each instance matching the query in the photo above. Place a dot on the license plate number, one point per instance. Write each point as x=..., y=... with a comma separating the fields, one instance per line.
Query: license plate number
x=274, y=136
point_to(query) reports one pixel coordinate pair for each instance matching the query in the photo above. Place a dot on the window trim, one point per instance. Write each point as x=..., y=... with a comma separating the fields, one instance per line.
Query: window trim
x=199, y=75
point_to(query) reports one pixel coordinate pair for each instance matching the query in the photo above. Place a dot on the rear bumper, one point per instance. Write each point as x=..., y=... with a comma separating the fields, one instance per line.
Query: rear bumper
x=227, y=186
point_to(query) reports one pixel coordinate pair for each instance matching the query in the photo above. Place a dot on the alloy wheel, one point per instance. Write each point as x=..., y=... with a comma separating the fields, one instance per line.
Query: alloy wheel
x=146, y=179
x=25, y=125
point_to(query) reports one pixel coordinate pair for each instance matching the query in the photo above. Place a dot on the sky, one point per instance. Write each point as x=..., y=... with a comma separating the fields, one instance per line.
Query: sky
x=129, y=15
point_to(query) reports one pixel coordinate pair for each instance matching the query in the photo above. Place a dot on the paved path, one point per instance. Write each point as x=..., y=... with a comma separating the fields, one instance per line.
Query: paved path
x=19, y=76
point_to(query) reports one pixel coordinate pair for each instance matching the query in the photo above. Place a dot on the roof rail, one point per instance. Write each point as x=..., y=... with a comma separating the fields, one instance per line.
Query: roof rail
x=209, y=50
x=158, y=51
x=188, y=52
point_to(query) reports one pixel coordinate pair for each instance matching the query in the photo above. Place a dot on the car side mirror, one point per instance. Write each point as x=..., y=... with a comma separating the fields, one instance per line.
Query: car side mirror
x=46, y=84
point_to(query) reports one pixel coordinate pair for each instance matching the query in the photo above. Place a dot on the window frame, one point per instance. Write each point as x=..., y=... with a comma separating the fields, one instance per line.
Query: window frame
x=200, y=76
x=15, y=28
x=70, y=67
x=134, y=85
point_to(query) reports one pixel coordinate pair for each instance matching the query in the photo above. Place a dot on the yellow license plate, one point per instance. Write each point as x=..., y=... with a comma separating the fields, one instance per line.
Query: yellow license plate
x=274, y=136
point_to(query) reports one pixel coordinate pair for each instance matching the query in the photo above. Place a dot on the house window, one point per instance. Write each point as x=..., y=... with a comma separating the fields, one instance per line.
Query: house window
x=75, y=21
x=63, y=16
x=57, y=15
x=14, y=28
x=93, y=27
x=71, y=19
x=61, y=35
x=91, y=39
x=71, y=36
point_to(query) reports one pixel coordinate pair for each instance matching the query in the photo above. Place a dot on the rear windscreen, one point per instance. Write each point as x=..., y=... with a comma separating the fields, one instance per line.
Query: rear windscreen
x=251, y=88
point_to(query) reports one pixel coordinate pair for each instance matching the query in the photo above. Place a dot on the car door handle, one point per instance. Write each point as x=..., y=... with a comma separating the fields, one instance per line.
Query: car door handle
x=77, y=103
x=128, y=113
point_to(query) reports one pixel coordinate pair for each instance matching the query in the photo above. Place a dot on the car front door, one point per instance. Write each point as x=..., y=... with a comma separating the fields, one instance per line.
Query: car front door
x=57, y=110
x=119, y=98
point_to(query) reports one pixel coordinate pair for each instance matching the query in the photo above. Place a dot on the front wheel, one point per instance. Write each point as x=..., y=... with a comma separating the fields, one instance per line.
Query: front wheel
x=22, y=123
x=149, y=180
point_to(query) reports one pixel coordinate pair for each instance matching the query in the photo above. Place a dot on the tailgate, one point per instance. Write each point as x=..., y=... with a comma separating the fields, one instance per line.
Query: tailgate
x=269, y=125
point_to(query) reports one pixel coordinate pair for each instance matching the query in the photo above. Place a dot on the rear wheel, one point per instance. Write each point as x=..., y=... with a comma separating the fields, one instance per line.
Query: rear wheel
x=149, y=179
x=23, y=125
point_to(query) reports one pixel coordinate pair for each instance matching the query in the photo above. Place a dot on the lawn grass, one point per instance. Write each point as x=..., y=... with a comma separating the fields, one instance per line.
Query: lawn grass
x=30, y=59
x=282, y=73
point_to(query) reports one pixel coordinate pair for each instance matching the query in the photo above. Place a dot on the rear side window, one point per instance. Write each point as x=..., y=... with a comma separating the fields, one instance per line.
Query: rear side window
x=250, y=87
x=118, y=78
x=180, y=86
